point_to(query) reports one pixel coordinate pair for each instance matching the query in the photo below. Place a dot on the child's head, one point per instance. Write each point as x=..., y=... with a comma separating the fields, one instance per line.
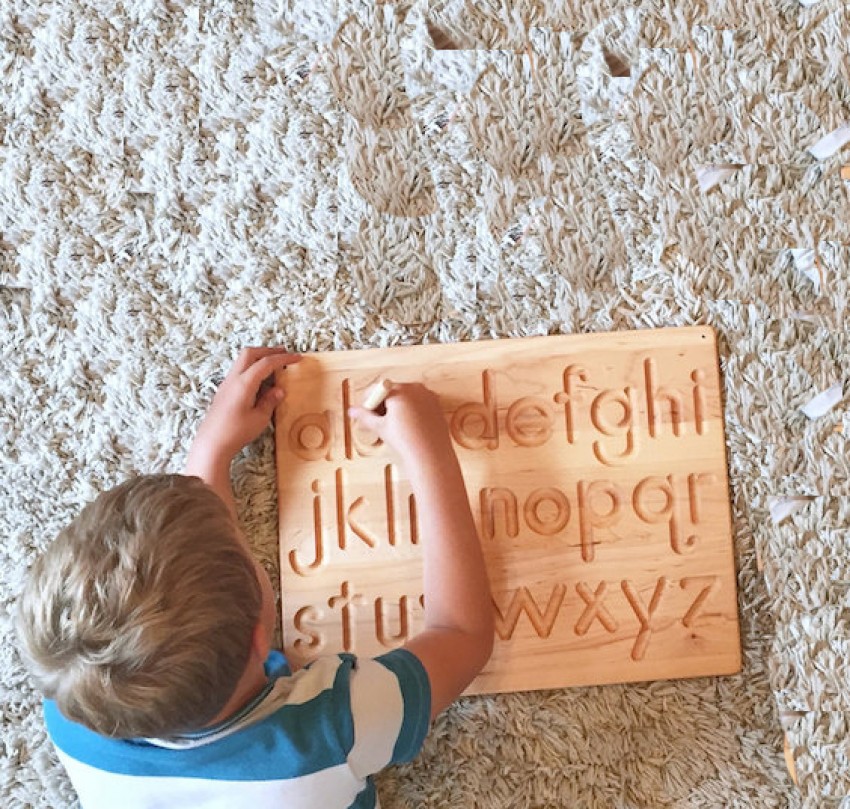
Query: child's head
x=138, y=619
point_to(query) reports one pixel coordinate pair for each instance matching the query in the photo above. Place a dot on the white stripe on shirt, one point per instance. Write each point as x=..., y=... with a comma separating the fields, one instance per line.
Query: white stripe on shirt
x=332, y=788
x=377, y=709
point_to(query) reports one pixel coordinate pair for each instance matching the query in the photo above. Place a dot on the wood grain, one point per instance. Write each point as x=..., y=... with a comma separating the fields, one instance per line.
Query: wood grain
x=596, y=470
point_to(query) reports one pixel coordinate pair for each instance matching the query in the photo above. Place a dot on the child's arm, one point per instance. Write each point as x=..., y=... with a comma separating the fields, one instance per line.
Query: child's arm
x=237, y=415
x=458, y=636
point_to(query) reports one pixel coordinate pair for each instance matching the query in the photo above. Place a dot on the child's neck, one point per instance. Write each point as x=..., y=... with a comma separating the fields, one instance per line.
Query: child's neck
x=252, y=682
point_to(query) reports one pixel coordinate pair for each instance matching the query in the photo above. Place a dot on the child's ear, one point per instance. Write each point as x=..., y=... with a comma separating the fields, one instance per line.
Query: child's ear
x=260, y=641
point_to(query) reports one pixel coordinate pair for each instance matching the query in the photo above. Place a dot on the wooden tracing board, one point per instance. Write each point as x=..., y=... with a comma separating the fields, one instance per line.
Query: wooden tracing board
x=596, y=472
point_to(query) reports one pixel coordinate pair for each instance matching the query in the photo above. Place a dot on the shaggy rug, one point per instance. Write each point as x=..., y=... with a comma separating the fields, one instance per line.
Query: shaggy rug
x=179, y=180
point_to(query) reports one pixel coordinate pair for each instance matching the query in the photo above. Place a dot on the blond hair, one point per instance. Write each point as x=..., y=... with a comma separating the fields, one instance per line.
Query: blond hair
x=139, y=617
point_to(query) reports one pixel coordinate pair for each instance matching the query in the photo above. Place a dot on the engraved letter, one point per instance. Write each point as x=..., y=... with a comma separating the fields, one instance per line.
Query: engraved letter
x=358, y=529
x=385, y=639
x=553, y=524
x=485, y=414
x=302, y=570
x=529, y=422
x=694, y=480
x=595, y=609
x=699, y=401
x=669, y=513
x=340, y=508
x=643, y=614
x=712, y=586
x=316, y=641
x=344, y=518
x=566, y=398
x=413, y=520
x=489, y=498
x=589, y=518
x=346, y=601
x=523, y=601
x=653, y=396
x=388, y=494
x=310, y=436
x=626, y=400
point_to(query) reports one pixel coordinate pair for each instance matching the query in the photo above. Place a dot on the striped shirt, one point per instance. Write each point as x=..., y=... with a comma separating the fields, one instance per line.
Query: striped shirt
x=312, y=739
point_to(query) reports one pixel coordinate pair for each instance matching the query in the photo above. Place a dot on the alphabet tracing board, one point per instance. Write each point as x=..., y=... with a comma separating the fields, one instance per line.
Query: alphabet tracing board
x=596, y=471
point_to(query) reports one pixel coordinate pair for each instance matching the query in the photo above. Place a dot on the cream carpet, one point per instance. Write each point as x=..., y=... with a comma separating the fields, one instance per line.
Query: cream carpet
x=180, y=180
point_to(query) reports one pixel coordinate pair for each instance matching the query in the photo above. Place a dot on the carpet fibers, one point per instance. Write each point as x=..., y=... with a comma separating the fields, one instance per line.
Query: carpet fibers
x=179, y=180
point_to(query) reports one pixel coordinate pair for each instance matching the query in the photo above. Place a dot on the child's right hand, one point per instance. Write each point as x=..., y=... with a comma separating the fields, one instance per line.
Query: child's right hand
x=457, y=638
x=413, y=425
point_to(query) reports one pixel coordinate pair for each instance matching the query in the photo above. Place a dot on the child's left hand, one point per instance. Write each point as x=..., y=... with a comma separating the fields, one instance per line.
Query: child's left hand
x=240, y=411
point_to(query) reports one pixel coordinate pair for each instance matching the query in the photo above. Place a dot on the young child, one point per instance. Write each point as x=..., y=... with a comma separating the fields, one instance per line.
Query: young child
x=147, y=624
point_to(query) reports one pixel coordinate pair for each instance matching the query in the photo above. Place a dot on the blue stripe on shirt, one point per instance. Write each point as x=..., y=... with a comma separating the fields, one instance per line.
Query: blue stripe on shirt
x=304, y=738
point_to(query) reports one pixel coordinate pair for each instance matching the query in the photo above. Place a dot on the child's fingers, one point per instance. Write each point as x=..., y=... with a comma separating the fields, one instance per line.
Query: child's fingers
x=371, y=421
x=264, y=367
x=248, y=356
x=270, y=400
